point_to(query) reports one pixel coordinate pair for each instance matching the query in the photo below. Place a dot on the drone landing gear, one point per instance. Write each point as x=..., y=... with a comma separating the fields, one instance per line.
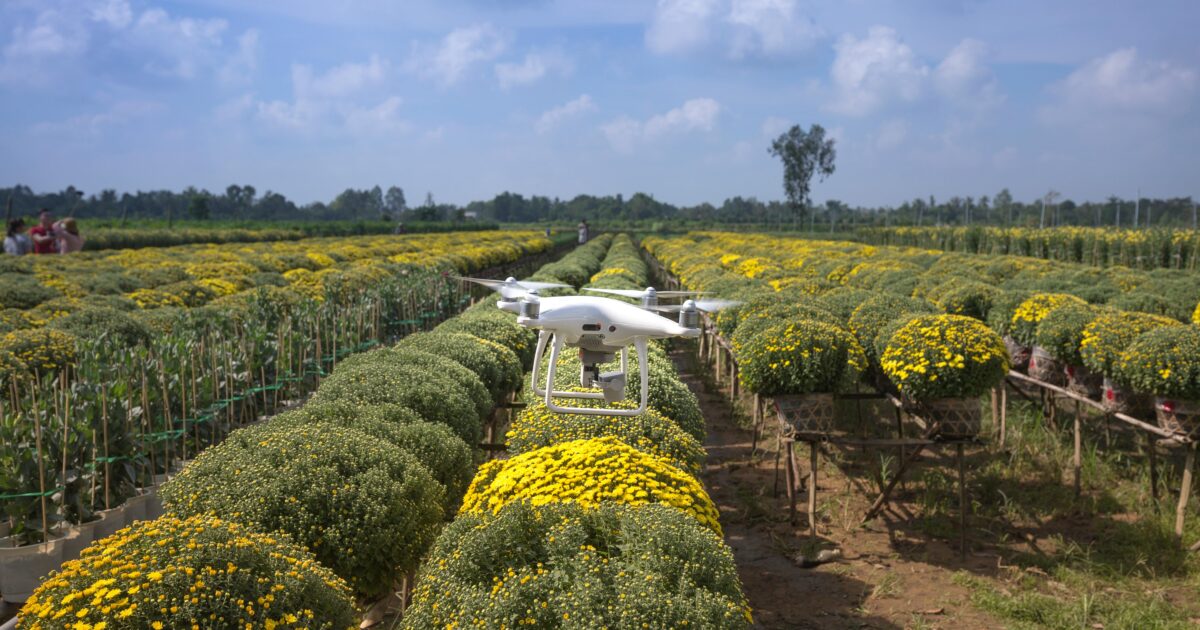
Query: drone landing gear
x=611, y=384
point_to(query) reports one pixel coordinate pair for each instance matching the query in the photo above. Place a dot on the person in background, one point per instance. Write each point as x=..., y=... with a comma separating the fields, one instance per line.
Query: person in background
x=67, y=233
x=16, y=241
x=583, y=232
x=44, y=241
x=547, y=232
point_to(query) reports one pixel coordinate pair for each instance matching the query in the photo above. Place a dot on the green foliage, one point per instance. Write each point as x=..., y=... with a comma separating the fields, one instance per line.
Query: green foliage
x=448, y=458
x=378, y=378
x=1110, y=334
x=1061, y=331
x=23, y=291
x=803, y=356
x=878, y=312
x=563, y=566
x=106, y=325
x=365, y=508
x=1164, y=362
x=498, y=367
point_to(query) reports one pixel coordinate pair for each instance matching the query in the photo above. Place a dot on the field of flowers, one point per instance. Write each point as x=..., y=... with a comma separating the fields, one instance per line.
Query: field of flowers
x=1102, y=247
x=118, y=367
x=301, y=520
x=819, y=316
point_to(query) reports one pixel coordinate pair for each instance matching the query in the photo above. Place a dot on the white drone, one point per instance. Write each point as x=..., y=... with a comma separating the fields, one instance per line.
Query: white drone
x=599, y=327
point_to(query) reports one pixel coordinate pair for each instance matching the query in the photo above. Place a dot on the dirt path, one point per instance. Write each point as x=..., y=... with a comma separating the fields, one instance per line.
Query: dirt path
x=889, y=575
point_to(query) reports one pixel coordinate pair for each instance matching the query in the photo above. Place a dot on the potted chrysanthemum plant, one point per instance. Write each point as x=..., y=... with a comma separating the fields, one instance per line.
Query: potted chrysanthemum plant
x=1165, y=363
x=1103, y=342
x=941, y=364
x=1025, y=320
x=1059, y=334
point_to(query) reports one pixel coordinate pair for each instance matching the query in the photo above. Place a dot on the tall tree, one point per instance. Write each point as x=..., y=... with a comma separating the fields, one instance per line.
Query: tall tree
x=1003, y=203
x=394, y=200
x=804, y=154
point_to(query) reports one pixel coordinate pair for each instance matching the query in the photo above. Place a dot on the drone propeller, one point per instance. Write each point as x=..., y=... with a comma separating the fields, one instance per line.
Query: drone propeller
x=708, y=306
x=512, y=289
x=642, y=293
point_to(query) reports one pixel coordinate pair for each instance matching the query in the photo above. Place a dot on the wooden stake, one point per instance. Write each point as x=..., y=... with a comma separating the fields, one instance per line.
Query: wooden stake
x=962, y=501
x=812, y=490
x=1078, y=456
x=790, y=475
x=1152, y=452
x=1185, y=490
x=756, y=418
x=1003, y=413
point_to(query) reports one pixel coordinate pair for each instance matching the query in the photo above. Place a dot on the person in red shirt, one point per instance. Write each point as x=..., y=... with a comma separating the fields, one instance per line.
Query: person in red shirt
x=44, y=241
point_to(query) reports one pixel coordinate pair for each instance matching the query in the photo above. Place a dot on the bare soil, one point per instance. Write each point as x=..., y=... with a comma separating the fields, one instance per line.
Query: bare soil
x=890, y=575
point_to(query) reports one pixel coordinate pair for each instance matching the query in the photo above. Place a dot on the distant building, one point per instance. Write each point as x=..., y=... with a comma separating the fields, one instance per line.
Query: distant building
x=470, y=214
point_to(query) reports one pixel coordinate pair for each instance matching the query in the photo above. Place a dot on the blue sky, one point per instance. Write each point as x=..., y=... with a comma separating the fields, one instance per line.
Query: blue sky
x=676, y=98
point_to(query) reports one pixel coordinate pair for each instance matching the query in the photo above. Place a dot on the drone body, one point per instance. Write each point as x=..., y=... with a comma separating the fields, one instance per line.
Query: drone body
x=600, y=327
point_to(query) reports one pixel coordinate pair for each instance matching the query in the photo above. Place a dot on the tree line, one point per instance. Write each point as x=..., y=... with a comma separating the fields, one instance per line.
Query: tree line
x=241, y=202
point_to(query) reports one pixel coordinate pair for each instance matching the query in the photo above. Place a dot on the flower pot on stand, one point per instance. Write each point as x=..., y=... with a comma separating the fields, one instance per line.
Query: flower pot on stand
x=1117, y=399
x=1019, y=354
x=109, y=523
x=22, y=568
x=135, y=507
x=1044, y=367
x=807, y=414
x=1084, y=382
x=1181, y=417
x=953, y=418
x=77, y=538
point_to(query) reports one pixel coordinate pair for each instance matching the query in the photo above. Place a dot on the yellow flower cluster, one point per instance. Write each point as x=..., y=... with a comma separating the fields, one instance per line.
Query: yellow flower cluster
x=588, y=472
x=40, y=350
x=193, y=573
x=944, y=356
x=1032, y=311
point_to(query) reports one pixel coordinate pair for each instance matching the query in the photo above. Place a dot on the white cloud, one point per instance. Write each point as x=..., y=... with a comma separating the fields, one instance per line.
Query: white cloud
x=774, y=125
x=736, y=28
x=556, y=116
x=964, y=78
x=534, y=67
x=36, y=49
x=1123, y=82
x=178, y=47
x=241, y=65
x=449, y=60
x=115, y=13
x=334, y=100
x=92, y=124
x=869, y=72
x=698, y=114
x=339, y=81
x=769, y=28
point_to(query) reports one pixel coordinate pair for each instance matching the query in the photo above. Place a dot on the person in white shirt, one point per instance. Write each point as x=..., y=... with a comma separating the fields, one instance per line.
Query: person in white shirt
x=583, y=232
x=16, y=241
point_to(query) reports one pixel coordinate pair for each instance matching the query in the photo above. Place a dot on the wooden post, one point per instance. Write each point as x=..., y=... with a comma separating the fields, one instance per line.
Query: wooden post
x=962, y=501
x=755, y=418
x=790, y=474
x=1003, y=413
x=1152, y=453
x=812, y=490
x=1078, y=459
x=778, y=452
x=733, y=377
x=1185, y=490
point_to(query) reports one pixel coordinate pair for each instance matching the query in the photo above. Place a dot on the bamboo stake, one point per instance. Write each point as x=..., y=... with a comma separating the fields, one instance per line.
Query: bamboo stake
x=812, y=490
x=1078, y=455
x=1185, y=490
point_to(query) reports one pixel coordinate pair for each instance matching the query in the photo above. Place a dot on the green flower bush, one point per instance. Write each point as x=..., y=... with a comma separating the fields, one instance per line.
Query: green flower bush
x=1060, y=332
x=199, y=572
x=1030, y=313
x=970, y=298
x=498, y=367
x=563, y=566
x=1164, y=362
x=449, y=459
x=118, y=329
x=944, y=356
x=366, y=509
x=650, y=432
x=759, y=318
x=486, y=321
x=1110, y=334
x=435, y=396
x=801, y=357
x=877, y=313
x=1004, y=306
x=431, y=364
x=842, y=301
